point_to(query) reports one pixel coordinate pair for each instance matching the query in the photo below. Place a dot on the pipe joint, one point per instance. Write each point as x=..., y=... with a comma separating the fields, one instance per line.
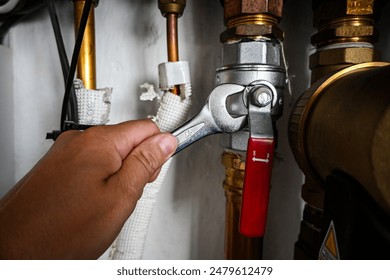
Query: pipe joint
x=172, y=7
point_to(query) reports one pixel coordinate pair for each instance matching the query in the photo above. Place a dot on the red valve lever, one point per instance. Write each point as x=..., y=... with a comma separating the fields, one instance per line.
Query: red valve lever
x=258, y=169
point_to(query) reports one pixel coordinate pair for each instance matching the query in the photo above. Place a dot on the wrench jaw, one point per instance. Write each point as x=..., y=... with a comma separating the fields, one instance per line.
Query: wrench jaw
x=218, y=107
x=212, y=119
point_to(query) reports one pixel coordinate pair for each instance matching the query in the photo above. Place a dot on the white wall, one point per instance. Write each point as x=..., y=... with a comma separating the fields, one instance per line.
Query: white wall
x=7, y=162
x=189, y=216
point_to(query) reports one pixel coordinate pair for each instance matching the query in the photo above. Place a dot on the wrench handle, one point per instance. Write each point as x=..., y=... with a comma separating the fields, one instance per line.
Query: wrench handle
x=257, y=180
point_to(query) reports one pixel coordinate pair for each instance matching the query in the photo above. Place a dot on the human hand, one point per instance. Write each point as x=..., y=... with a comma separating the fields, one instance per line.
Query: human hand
x=74, y=202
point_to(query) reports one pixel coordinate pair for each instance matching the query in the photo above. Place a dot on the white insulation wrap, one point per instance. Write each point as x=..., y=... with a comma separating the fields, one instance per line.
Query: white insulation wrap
x=172, y=112
x=173, y=73
x=93, y=105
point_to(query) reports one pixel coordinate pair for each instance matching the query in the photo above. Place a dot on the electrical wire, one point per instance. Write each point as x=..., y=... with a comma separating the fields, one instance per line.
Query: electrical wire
x=72, y=113
x=72, y=70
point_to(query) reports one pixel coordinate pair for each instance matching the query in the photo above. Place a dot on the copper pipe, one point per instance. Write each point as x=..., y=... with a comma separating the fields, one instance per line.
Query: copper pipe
x=172, y=10
x=172, y=38
x=86, y=65
x=172, y=43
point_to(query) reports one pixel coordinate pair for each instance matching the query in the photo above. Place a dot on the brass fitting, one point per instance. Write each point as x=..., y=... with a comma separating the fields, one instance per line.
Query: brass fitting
x=342, y=56
x=343, y=22
x=237, y=246
x=330, y=10
x=236, y=8
x=321, y=71
x=344, y=39
x=253, y=31
x=348, y=25
x=252, y=19
x=171, y=7
x=346, y=29
x=328, y=132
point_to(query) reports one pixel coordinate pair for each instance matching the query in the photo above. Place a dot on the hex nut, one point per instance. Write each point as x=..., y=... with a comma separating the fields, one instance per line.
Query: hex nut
x=251, y=31
x=236, y=141
x=253, y=52
x=263, y=96
x=342, y=56
x=234, y=8
x=364, y=32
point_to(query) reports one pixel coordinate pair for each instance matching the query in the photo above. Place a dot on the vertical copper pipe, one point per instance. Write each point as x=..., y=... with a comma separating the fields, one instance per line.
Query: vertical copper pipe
x=86, y=65
x=172, y=43
x=172, y=38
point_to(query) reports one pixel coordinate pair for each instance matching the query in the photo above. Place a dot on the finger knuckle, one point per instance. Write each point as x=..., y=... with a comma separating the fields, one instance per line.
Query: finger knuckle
x=148, y=160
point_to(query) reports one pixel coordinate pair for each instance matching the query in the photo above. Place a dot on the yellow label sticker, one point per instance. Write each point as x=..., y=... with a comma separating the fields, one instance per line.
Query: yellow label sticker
x=329, y=249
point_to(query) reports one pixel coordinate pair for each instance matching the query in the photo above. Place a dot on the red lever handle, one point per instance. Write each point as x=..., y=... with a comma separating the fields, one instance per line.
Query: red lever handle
x=258, y=169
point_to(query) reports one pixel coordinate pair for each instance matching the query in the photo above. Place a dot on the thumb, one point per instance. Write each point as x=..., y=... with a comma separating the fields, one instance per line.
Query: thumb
x=142, y=164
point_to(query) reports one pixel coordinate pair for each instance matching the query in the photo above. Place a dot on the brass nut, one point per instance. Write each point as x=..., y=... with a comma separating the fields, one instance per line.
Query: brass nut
x=342, y=56
x=251, y=31
x=360, y=7
x=336, y=9
x=172, y=7
x=233, y=161
x=345, y=34
x=234, y=8
x=354, y=31
x=234, y=172
x=236, y=141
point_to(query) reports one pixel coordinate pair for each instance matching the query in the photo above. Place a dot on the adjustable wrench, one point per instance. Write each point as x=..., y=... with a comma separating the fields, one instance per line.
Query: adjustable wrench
x=213, y=118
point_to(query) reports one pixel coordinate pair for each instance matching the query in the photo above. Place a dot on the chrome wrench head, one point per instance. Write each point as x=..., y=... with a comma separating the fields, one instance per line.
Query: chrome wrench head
x=213, y=118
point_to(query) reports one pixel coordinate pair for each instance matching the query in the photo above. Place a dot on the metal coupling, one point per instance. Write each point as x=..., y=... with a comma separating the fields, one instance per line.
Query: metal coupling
x=172, y=7
x=252, y=19
x=248, y=61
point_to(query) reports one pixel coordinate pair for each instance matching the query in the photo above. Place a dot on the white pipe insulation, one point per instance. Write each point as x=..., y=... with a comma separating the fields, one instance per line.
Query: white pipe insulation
x=172, y=112
x=8, y=6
